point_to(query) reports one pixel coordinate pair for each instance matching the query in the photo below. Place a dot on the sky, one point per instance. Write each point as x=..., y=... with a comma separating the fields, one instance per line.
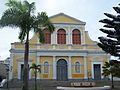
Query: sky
x=89, y=11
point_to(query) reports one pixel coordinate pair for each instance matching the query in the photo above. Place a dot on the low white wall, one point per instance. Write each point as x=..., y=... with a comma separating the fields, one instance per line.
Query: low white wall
x=84, y=88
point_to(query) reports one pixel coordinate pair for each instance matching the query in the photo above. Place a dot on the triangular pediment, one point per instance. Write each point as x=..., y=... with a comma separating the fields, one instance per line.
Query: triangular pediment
x=63, y=18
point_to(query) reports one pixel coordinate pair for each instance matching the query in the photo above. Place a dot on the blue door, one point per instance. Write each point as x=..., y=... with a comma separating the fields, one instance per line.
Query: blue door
x=21, y=76
x=62, y=72
x=97, y=71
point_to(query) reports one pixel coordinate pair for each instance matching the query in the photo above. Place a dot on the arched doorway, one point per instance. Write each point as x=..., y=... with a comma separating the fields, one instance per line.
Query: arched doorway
x=62, y=71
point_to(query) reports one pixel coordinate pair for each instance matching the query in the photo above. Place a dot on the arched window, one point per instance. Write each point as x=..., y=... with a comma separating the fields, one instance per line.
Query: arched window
x=61, y=36
x=76, y=37
x=46, y=67
x=77, y=67
x=47, y=37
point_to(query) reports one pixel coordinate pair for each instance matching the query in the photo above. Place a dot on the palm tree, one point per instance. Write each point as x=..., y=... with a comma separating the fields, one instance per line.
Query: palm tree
x=111, y=68
x=36, y=68
x=21, y=14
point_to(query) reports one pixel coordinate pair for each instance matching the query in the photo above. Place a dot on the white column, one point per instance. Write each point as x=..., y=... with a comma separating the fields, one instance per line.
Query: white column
x=70, y=41
x=55, y=36
x=54, y=67
x=38, y=63
x=69, y=68
x=67, y=36
x=85, y=68
x=84, y=42
x=19, y=70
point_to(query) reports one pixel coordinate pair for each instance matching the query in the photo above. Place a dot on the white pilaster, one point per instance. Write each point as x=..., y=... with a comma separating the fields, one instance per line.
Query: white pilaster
x=38, y=63
x=69, y=68
x=54, y=67
x=67, y=37
x=21, y=62
x=84, y=42
x=85, y=68
x=95, y=61
x=55, y=36
x=19, y=70
x=70, y=36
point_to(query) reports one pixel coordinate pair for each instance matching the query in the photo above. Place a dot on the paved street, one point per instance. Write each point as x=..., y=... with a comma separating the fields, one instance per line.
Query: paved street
x=51, y=85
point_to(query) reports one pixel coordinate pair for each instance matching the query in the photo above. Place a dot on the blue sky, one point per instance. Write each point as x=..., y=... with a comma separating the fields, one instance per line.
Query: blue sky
x=89, y=11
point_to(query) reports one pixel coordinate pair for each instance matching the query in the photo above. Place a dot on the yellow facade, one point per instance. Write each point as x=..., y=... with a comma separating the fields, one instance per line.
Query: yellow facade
x=61, y=61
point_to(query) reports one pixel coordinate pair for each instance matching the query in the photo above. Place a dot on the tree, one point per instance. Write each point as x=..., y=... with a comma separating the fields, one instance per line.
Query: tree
x=111, y=68
x=111, y=43
x=21, y=14
x=35, y=68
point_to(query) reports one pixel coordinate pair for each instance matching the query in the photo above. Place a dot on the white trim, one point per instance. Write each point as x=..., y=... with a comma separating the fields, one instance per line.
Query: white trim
x=67, y=65
x=44, y=67
x=67, y=24
x=75, y=66
x=53, y=37
x=19, y=68
x=98, y=61
x=61, y=27
x=81, y=37
x=67, y=36
x=69, y=68
x=54, y=67
x=85, y=68
x=62, y=58
x=62, y=52
x=70, y=41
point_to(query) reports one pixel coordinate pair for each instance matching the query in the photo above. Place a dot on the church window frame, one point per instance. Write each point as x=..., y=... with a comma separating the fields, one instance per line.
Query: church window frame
x=46, y=67
x=77, y=67
x=61, y=36
x=47, y=36
x=76, y=37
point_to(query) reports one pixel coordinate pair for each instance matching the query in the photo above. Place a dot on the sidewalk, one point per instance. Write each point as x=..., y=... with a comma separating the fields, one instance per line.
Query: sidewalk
x=10, y=89
x=42, y=88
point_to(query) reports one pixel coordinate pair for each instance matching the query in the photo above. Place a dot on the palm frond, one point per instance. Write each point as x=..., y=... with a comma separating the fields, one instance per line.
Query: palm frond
x=44, y=23
x=41, y=36
x=30, y=7
x=22, y=35
x=11, y=17
x=36, y=68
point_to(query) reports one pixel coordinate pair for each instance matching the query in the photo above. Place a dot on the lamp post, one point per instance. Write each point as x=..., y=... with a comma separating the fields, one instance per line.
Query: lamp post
x=7, y=73
x=112, y=76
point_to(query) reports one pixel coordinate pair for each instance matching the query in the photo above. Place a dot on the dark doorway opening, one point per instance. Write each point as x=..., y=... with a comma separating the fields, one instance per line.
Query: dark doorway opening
x=97, y=71
x=62, y=70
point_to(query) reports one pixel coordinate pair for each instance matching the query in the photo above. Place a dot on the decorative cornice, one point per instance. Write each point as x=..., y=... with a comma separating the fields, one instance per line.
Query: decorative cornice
x=21, y=59
x=42, y=52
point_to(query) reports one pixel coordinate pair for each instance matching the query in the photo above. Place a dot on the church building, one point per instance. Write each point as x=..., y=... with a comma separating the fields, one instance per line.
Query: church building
x=67, y=54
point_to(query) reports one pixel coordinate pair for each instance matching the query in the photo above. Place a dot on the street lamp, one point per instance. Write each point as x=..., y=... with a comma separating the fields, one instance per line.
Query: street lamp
x=7, y=73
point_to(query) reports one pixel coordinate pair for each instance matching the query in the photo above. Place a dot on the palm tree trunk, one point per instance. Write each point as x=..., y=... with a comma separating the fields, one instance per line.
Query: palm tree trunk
x=112, y=81
x=25, y=72
x=35, y=81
